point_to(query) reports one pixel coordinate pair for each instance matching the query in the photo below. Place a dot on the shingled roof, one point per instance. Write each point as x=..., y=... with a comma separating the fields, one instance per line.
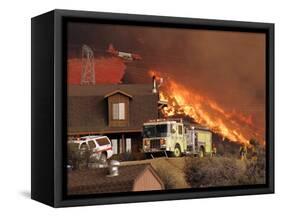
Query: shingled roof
x=88, y=109
x=103, y=89
x=97, y=180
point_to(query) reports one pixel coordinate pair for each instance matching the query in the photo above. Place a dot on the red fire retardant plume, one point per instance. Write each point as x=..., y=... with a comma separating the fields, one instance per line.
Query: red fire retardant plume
x=108, y=70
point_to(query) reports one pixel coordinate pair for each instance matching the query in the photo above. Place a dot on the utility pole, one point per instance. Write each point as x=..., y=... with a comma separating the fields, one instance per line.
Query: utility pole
x=88, y=76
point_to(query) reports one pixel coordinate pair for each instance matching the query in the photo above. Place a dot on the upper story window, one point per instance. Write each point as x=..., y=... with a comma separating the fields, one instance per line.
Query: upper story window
x=118, y=108
x=118, y=111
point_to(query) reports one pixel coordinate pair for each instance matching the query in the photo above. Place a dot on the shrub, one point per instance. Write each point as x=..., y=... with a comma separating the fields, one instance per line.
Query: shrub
x=256, y=166
x=223, y=171
x=168, y=180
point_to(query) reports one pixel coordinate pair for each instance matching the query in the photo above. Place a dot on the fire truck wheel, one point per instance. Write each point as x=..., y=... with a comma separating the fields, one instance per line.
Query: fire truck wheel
x=177, y=151
x=201, y=152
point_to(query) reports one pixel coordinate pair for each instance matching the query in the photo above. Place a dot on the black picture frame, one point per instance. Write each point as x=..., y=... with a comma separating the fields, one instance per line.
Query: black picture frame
x=48, y=107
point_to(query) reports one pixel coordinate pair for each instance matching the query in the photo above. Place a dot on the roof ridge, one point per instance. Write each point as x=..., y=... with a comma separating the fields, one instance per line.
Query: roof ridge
x=118, y=91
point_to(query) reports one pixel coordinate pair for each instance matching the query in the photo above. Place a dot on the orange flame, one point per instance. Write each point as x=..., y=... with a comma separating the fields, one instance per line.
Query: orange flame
x=234, y=125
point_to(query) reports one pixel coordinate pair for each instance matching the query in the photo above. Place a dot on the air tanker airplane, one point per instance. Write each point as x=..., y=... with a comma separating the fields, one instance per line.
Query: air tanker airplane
x=124, y=55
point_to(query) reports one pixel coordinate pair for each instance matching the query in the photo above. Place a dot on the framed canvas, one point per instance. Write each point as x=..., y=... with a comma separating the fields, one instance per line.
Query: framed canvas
x=133, y=108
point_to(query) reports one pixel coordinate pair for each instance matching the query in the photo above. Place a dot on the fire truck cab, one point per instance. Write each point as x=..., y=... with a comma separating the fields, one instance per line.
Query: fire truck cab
x=173, y=136
x=164, y=135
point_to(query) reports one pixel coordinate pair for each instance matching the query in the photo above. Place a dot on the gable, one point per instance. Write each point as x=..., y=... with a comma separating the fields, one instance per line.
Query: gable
x=88, y=109
x=117, y=92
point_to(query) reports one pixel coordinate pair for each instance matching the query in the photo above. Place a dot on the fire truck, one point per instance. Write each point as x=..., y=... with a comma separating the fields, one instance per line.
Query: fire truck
x=173, y=136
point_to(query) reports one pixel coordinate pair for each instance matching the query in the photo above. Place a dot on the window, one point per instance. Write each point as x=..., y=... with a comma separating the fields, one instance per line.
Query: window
x=173, y=128
x=128, y=145
x=114, y=146
x=150, y=131
x=118, y=111
x=103, y=141
x=83, y=146
x=180, y=129
x=92, y=144
x=161, y=130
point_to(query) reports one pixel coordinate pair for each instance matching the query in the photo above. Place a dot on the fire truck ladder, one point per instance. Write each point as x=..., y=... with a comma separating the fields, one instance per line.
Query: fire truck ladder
x=88, y=66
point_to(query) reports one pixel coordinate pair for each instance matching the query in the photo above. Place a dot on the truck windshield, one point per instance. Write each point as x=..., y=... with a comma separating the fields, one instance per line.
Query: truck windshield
x=150, y=131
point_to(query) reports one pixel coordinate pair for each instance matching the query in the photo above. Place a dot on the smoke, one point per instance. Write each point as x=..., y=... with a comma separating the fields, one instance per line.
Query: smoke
x=227, y=67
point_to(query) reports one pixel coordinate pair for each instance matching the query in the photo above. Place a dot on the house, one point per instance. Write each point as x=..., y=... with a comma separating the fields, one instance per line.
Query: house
x=138, y=177
x=116, y=110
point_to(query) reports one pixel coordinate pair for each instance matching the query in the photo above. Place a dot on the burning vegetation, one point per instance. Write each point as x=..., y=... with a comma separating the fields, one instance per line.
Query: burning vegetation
x=185, y=102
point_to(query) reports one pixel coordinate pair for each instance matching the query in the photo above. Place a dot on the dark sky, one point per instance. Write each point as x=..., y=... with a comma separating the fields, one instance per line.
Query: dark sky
x=228, y=67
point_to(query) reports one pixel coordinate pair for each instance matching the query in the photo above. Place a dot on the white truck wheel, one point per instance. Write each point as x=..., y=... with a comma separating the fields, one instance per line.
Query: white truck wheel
x=177, y=151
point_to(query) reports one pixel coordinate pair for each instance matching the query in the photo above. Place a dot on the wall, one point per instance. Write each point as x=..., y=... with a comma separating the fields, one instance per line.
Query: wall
x=147, y=182
x=15, y=106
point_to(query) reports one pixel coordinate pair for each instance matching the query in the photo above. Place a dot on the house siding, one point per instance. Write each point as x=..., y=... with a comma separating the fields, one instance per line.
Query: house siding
x=147, y=182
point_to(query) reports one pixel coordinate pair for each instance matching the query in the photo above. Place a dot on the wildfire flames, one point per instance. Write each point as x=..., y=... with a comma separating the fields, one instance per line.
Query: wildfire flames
x=233, y=125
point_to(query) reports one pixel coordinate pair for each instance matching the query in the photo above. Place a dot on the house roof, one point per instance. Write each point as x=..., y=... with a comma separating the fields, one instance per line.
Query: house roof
x=117, y=91
x=97, y=180
x=103, y=89
x=88, y=109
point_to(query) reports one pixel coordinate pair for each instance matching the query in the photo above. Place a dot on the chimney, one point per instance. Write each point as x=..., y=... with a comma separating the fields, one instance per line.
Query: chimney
x=113, y=168
x=154, y=88
x=160, y=82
